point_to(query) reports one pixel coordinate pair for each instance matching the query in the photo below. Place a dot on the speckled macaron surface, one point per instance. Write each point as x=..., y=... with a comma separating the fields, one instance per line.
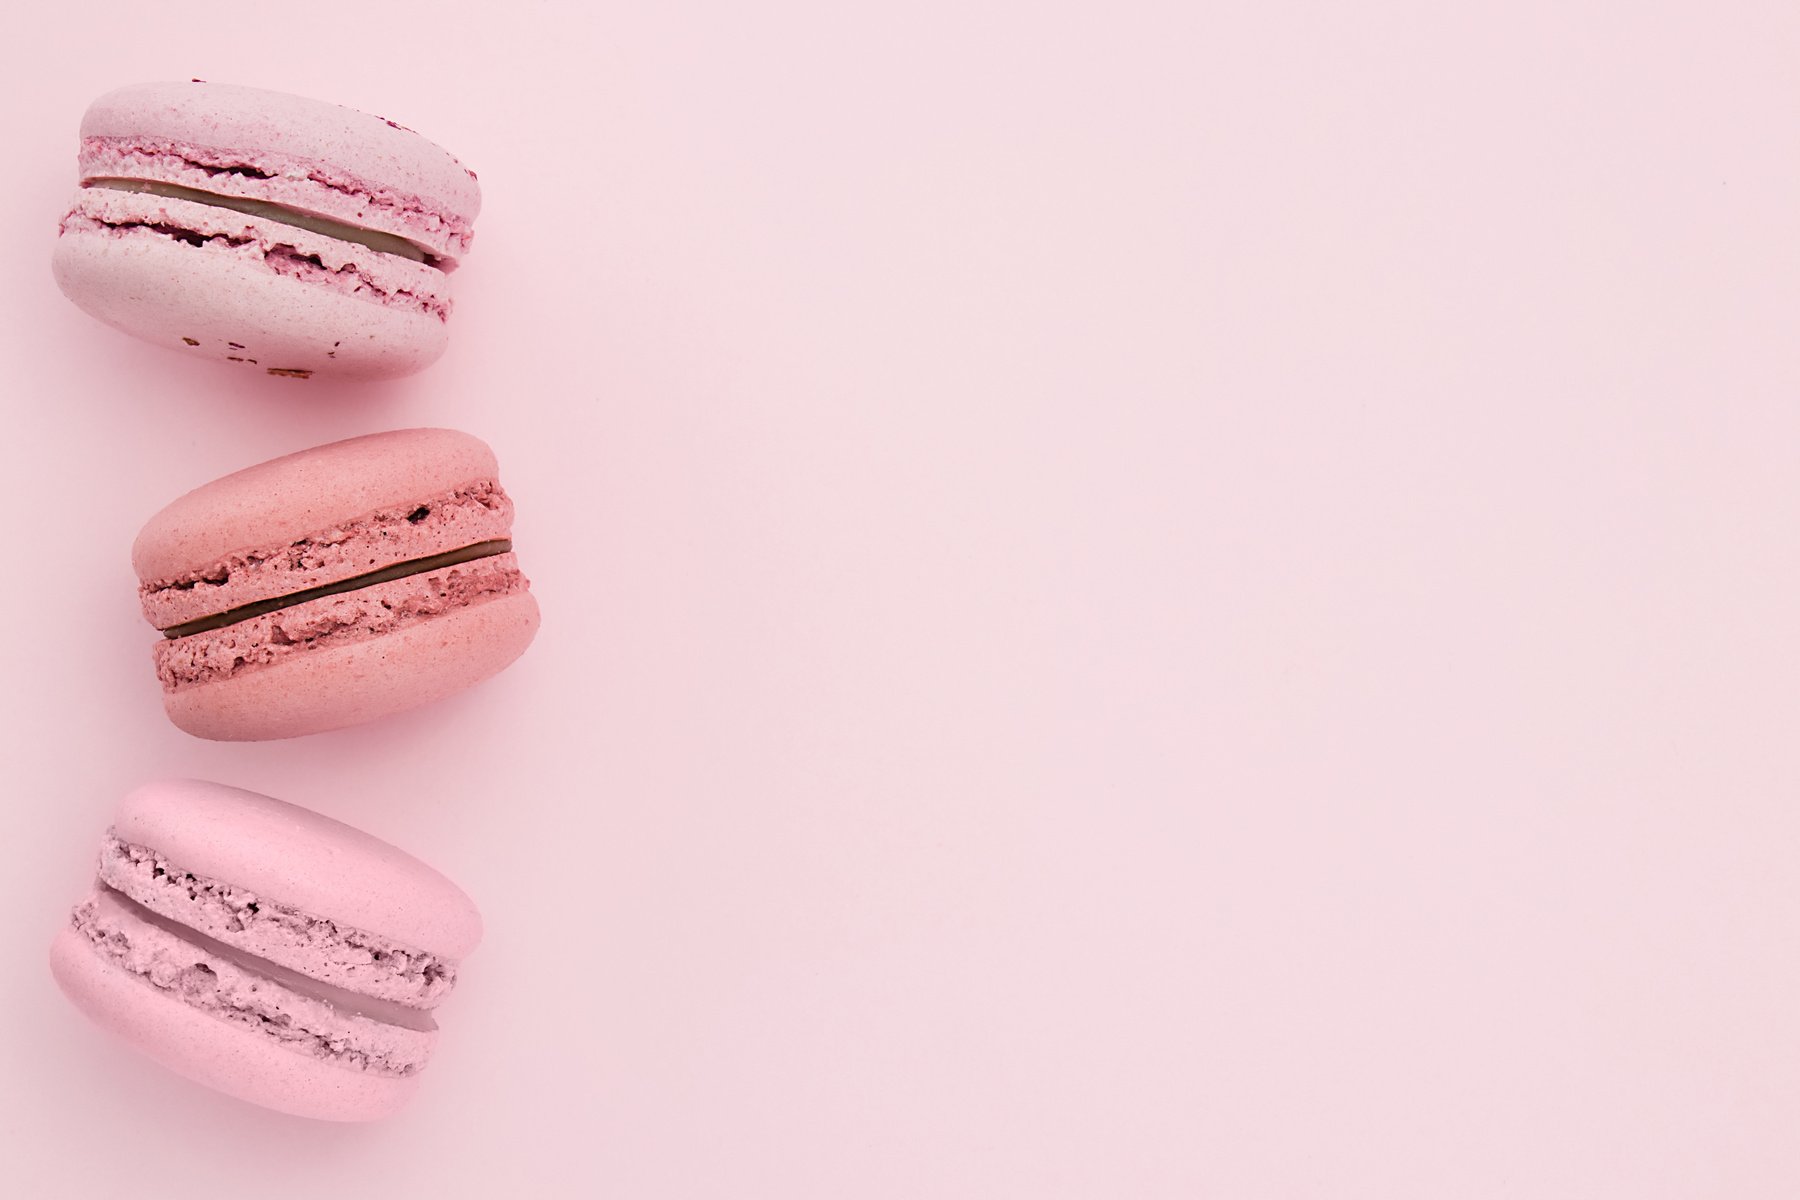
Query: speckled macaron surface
x=265, y=950
x=334, y=586
x=288, y=236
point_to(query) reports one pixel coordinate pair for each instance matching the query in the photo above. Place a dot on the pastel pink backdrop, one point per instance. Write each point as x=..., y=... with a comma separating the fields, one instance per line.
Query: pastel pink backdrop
x=1185, y=601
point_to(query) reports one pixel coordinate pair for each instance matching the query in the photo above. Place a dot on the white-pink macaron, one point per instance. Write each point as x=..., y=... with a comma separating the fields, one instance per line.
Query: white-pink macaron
x=289, y=236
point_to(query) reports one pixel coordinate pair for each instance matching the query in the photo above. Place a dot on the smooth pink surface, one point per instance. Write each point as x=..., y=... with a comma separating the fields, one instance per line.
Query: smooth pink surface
x=1143, y=601
x=301, y=859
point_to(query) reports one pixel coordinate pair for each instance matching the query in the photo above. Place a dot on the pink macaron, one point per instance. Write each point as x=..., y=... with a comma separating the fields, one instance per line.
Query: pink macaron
x=266, y=951
x=334, y=586
x=291, y=236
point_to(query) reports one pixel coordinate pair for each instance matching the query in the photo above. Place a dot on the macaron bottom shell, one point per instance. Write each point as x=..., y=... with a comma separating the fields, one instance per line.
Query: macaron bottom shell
x=222, y=307
x=343, y=685
x=217, y=1054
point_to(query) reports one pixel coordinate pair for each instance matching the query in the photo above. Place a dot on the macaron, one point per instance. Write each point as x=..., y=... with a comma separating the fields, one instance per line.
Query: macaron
x=266, y=951
x=292, y=237
x=334, y=586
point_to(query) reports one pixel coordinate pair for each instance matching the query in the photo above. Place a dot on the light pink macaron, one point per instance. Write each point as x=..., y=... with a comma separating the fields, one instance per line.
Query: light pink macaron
x=266, y=951
x=287, y=235
x=334, y=586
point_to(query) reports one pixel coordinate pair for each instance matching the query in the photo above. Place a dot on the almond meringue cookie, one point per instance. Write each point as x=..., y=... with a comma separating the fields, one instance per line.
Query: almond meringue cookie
x=333, y=586
x=289, y=236
x=266, y=951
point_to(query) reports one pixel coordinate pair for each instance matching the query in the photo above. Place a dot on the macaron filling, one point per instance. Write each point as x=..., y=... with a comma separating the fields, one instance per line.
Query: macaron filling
x=464, y=515
x=372, y=575
x=298, y=183
x=418, y=566
x=368, y=612
x=261, y=246
x=374, y=239
x=303, y=1014
x=354, y=959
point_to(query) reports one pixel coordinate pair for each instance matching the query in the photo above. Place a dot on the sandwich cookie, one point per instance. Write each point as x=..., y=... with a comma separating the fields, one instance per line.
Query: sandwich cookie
x=266, y=951
x=334, y=586
x=289, y=236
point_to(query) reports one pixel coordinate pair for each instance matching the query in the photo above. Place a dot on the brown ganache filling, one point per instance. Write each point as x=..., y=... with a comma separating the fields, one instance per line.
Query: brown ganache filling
x=370, y=612
x=417, y=566
x=468, y=513
x=282, y=214
x=138, y=157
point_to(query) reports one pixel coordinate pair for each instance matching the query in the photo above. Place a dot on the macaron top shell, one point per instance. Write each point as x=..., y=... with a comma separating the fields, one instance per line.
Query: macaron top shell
x=301, y=859
x=288, y=149
x=299, y=494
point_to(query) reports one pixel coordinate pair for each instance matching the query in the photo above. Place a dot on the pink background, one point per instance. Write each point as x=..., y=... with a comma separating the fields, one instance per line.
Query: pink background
x=1139, y=602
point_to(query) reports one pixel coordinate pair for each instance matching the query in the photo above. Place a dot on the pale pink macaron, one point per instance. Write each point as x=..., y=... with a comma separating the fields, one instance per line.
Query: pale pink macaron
x=266, y=951
x=291, y=236
x=334, y=586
